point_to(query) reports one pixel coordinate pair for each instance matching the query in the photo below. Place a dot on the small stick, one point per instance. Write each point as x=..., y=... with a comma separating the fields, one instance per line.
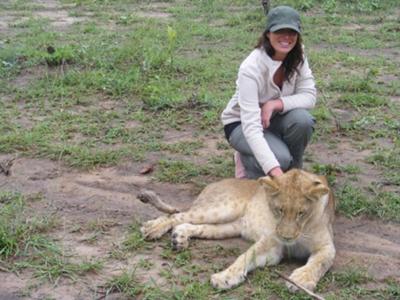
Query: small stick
x=6, y=165
x=310, y=293
x=3, y=269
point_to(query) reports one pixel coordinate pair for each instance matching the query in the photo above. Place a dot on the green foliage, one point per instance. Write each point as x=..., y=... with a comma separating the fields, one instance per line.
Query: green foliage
x=388, y=205
x=354, y=84
x=126, y=283
x=353, y=202
x=183, y=171
x=172, y=38
x=387, y=157
x=267, y=285
x=390, y=159
x=177, y=171
x=20, y=233
x=360, y=100
x=180, y=259
x=59, y=56
x=23, y=244
x=134, y=240
x=52, y=266
x=330, y=171
x=349, y=278
x=351, y=284
x=393, y=289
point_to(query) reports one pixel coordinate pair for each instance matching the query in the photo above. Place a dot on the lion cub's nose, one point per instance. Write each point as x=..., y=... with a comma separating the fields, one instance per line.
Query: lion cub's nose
x=286, y=238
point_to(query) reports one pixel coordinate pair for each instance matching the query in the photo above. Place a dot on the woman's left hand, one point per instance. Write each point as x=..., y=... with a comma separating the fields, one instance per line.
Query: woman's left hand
x=268, y=108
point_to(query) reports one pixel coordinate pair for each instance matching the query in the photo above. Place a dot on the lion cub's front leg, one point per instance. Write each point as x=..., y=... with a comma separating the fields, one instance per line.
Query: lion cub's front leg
x=317, y=265
x=265, y=251
x=183, y=232
x=154, y=229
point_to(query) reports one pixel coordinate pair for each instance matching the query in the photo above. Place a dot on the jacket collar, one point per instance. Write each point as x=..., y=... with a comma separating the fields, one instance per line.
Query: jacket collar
x=268, y=62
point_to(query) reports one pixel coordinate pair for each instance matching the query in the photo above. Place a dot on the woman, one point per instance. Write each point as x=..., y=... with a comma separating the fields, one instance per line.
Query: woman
x=267, y=121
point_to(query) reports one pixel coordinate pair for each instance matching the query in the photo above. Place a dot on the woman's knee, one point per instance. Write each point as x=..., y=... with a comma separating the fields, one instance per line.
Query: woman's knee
x=301, y=119
x=253, y=168
x=238, y=141
x=285, y=160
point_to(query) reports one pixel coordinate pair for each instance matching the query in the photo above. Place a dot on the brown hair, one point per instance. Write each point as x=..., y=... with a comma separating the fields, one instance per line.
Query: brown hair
x=292, y=61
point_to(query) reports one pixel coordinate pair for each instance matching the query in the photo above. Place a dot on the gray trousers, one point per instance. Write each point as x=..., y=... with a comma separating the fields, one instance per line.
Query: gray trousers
x=287, y=136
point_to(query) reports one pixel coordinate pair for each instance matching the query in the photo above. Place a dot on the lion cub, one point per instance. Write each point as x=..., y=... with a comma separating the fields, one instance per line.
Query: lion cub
x=288, y=215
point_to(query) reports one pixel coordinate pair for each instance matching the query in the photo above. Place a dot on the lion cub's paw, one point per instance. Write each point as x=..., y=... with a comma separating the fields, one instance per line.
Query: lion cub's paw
x=154, y=229
x=226, y=280
x=302, y=277
x=180, y=237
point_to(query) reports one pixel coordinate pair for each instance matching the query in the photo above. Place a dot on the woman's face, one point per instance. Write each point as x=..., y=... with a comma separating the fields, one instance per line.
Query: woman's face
x=283, y=41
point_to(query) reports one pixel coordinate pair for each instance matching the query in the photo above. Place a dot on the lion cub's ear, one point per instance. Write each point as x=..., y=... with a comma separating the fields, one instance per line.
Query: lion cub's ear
x=270, y=185
x=317, y=190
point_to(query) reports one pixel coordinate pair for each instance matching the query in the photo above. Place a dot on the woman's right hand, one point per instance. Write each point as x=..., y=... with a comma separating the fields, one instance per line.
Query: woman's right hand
x=268, y=108
x=275, y=172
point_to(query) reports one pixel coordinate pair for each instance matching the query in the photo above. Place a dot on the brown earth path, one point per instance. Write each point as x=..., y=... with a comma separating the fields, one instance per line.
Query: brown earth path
x=107, y=196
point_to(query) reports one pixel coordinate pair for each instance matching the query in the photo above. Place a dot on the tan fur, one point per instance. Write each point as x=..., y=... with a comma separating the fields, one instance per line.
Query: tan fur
x=289, y=215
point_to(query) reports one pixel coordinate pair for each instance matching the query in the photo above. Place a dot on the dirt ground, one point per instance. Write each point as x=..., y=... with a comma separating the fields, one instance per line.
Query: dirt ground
x=108, y=196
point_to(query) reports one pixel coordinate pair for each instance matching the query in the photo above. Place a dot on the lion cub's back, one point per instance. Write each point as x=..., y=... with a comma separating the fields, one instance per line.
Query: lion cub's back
x=232, y=190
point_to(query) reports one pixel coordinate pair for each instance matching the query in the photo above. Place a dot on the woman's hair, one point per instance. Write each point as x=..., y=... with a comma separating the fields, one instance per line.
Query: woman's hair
x=293, y=60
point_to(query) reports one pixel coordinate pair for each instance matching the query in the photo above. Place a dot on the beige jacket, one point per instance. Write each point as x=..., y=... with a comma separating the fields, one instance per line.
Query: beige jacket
x=254, y=87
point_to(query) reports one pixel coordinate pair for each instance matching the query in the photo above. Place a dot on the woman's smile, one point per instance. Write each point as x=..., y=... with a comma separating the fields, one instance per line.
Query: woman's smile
x=283, y=41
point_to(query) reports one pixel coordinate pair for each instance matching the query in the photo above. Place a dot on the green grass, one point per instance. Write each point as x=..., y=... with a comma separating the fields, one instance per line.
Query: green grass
x=150, y=63
x=183, y=171
x=126, y=283
x=134, y=240
x=52, y=266
x=20, y=233
x=389, y=158
x=24, y=243
x=351, y=284
x=353, y=202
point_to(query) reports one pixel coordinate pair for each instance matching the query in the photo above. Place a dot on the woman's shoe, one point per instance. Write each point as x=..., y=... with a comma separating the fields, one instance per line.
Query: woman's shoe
x=240, y=172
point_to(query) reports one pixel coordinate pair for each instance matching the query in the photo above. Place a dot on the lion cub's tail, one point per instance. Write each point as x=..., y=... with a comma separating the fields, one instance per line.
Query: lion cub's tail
x=147, y=196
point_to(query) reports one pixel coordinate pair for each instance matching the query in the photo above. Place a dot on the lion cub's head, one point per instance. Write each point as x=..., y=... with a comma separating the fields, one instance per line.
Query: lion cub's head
x=294, y=198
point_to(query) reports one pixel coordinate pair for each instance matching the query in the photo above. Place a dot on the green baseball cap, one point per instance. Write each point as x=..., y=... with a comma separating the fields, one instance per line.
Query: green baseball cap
x=281, y=17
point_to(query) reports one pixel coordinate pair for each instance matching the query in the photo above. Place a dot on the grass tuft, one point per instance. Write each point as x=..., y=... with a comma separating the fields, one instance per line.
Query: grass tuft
x=20, y=233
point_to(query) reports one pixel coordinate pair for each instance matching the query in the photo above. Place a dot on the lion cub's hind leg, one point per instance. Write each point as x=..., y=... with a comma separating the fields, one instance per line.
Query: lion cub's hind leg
x=183, y=232
x=211, y=207
x=154, y=229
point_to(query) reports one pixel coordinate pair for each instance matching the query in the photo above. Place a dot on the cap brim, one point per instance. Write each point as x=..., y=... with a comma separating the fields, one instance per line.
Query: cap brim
x=285, y=26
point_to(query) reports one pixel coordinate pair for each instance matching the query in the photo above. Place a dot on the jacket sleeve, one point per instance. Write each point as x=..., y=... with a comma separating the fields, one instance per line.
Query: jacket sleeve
x=305, y=93
x=250, y=115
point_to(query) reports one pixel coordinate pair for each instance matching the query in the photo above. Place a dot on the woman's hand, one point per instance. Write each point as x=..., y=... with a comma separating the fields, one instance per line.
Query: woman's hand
x=268, y=109
x=275, y=172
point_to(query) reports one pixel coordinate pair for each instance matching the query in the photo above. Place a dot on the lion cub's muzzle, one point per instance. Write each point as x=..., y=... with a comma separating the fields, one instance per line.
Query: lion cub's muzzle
x=287, y=233
x=287, y=241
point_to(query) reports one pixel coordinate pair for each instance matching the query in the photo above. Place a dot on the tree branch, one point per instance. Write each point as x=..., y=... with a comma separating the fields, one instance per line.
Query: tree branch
x=310, y=293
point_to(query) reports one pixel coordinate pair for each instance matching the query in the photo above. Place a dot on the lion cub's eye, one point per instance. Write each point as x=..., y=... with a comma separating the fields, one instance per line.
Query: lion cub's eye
x=301, y=214
x=278, y=211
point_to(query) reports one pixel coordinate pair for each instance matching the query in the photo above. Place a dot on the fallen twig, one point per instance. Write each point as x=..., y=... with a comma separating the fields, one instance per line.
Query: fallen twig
x=104, y=294
x=6, y=165
x=310, y=293
x=4, y=269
